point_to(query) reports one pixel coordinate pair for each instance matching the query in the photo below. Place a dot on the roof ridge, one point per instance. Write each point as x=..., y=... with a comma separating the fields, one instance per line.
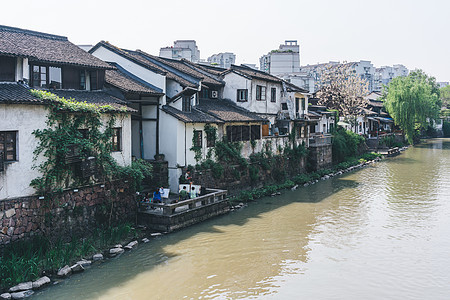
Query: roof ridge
x=168, y=67
x=136, y=78
x=34, y=33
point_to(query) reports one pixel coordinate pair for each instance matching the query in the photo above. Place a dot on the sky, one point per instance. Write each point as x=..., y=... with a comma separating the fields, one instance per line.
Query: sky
x=386, y=32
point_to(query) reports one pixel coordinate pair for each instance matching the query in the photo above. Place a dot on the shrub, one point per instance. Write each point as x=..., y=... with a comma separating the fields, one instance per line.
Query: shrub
x=345, y=144
x=446, y=129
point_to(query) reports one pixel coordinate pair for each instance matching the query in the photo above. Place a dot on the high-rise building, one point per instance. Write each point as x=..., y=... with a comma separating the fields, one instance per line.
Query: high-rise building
x=223, y=60
x=385, y=74
x=186, y=49
x=286, y=59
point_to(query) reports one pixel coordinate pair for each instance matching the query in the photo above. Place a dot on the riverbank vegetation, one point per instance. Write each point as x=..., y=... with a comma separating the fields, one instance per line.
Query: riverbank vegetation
x=301, y=179
x=77, y=146
x=28, y=260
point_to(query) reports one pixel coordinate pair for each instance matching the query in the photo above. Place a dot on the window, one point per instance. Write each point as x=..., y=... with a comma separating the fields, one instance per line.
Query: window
x=238, y=133
x=46, y=77
x=255, y=132
x=93, y=78
x=186, y=105
x=242, y=95
x=260, y=92
x=117, y=139
x=273, y=95
x=210, y=139
x=197, y=138
x=82, y=80
x=204, y=93
x=284, y=106
x=7, y=68
x=55, y=80
x=39, y=77
x=8, y=145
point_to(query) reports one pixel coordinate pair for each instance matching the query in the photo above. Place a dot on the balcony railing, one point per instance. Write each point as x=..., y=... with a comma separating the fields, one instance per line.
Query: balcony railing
x=212, y=196
x=319, y=140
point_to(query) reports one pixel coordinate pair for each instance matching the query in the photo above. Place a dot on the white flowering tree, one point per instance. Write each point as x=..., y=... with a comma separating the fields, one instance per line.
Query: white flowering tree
x=340, y=88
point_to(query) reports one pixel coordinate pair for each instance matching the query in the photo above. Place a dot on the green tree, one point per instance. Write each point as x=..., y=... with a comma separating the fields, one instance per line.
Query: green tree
x=445, y=96
x=412, y=101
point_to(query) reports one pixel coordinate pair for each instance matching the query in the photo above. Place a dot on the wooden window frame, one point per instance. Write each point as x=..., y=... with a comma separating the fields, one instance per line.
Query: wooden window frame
x=8, y=68
x=198, y=138
x=3, y=142
x=260, y=93
x=117, y=140
x=240, y=93
x=210, y=140
x=186, y=103
x=273, y=95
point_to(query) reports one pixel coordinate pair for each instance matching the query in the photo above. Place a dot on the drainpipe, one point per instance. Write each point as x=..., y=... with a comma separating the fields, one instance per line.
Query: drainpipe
x=185, y=153
x=141, y=136
x=157, y=128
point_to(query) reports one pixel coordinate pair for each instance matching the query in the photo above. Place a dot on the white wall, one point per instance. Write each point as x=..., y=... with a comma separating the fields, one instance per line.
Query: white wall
x=15, y=180
x=123, y=157
x=173, y=88
x=233, y=82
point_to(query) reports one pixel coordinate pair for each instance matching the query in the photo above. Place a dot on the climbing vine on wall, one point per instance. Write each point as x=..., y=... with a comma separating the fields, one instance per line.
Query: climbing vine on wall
x=74, y=128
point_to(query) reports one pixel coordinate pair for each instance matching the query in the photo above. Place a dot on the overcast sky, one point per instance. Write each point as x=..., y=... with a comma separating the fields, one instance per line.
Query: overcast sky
x=410, y=32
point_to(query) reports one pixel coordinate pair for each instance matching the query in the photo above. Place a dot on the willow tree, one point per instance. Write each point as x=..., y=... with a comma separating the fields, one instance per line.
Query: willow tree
x=412, y=102
x=340, y=88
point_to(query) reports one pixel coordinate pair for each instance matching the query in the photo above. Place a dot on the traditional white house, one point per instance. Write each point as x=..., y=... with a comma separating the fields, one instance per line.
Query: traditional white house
x=281, y=103
x=30, y=59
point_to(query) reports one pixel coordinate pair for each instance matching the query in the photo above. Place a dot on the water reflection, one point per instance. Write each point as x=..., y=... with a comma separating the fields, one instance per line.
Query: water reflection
x=381, y=232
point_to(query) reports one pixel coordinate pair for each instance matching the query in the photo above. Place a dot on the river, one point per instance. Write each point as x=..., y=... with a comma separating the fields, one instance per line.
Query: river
x=382, y=232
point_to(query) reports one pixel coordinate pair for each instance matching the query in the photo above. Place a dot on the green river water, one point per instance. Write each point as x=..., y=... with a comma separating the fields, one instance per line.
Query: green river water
x=382, y=232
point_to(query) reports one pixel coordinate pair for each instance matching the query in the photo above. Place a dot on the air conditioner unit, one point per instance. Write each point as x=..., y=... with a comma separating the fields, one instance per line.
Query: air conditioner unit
x=214, y=94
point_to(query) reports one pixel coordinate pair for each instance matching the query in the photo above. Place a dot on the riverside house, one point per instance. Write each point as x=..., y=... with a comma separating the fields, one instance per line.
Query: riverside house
x=282, y=104
x=190, y=99
x=36, y=60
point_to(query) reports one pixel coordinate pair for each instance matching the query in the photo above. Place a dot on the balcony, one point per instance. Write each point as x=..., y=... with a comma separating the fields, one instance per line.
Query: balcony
x=320, y=139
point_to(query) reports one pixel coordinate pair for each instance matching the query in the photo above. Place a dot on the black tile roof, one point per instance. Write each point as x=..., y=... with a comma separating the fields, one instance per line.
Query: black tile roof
x=17, y=93
x=252, y=73
x=227, y=111
x=256, y=74
x=47, y=48
x=172, y=72
x=191, y=69
x=194, y=116
x=129, y=83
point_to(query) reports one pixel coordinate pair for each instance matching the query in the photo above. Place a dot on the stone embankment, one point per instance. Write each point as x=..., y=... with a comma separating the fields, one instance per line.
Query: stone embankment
x=26, y=289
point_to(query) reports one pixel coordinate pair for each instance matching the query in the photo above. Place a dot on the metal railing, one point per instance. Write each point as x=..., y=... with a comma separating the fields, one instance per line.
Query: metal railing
x=212, y=196
x=319, y=140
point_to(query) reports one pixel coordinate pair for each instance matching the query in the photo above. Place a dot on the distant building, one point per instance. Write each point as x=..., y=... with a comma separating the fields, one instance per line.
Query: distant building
x=363, y=69
x=443, y=84
x=286, y=59
x=222, y=60
x=385, y=74
x=301, y=79
x=252, y=66
x=186, y=49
